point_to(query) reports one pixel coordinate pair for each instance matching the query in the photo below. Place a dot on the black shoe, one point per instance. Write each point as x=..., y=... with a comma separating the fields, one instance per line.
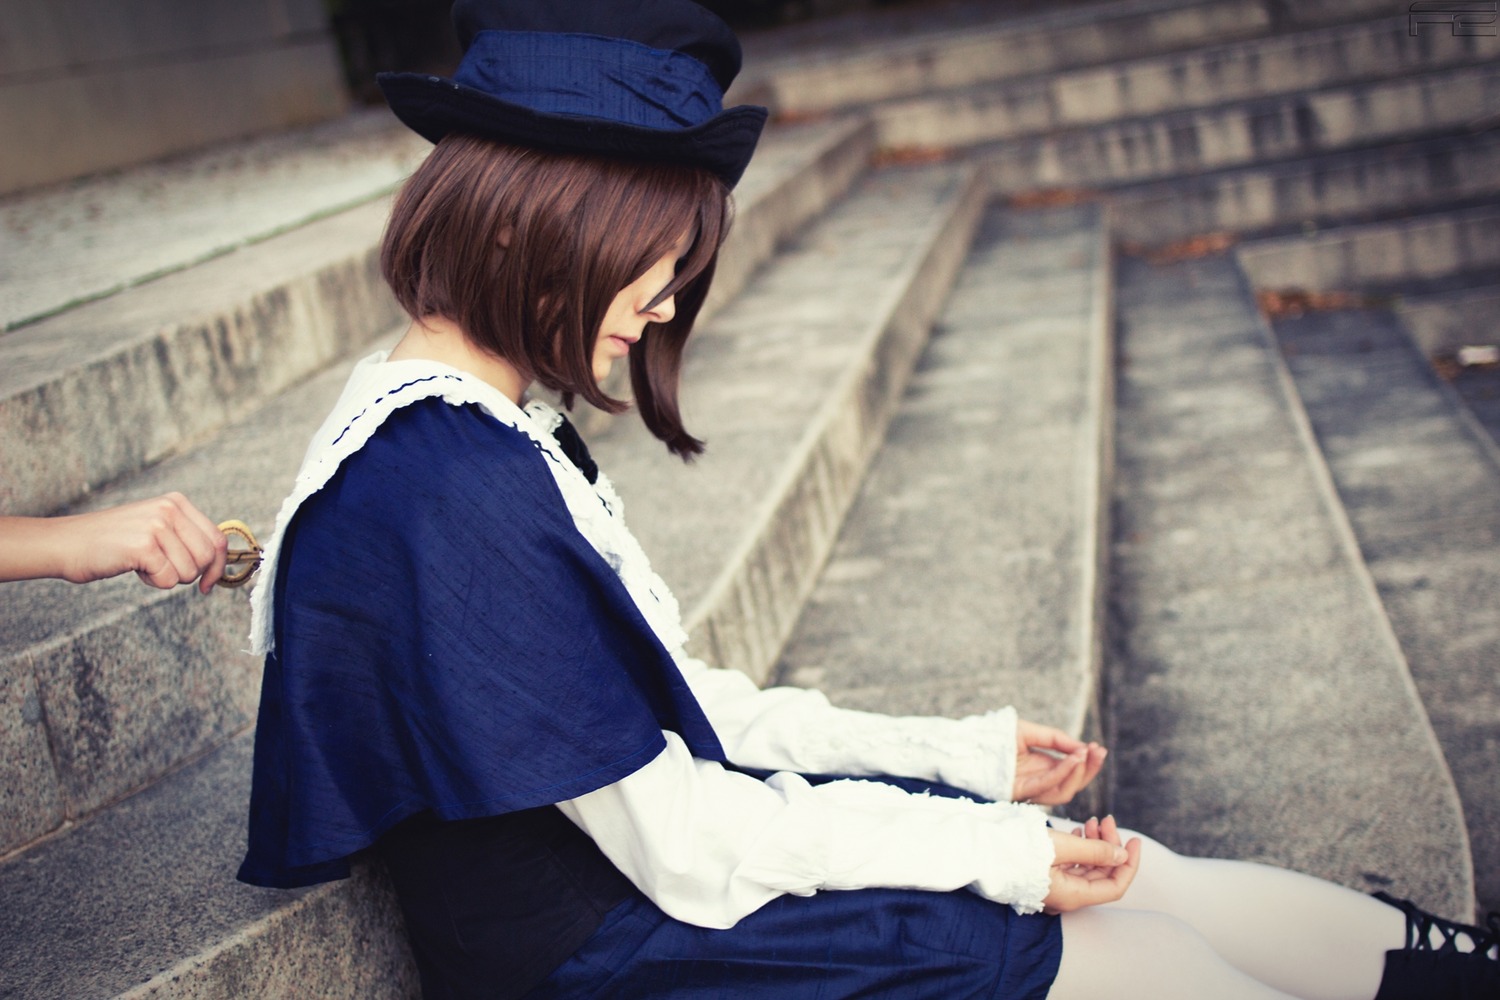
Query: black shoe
x=1421, y=972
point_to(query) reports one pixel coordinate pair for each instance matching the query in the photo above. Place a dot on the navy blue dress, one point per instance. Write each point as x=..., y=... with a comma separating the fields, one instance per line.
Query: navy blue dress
x=477, y=661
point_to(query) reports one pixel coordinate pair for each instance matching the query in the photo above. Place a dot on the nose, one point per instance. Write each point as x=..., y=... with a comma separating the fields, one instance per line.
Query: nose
x=663, y=311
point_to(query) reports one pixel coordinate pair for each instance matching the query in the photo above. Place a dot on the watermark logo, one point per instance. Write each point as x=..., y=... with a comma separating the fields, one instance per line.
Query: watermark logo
x=1476, y=18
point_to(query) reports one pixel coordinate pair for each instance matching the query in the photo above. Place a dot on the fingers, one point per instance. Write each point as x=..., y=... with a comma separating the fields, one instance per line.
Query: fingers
x=1071, y=850
x=193, y=546
x=165, y=541
x=1050, y=780
x=1039, y=776
x=1031, y=735
x=207, y=547
x=1079, y=883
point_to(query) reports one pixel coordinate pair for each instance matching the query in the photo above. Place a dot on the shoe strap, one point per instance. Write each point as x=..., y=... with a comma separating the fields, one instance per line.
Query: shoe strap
x=1420, y=923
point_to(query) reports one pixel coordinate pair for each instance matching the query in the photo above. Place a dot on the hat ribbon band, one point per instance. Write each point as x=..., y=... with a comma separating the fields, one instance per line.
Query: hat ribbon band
x=592, y=76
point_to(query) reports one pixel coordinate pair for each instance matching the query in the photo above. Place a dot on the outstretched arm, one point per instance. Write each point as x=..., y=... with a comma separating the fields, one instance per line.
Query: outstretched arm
x=165, y=541
x=710, y=846
x=994, y=755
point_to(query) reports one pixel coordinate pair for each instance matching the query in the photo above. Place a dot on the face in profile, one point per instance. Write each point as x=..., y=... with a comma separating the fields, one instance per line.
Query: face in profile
x=634, y=307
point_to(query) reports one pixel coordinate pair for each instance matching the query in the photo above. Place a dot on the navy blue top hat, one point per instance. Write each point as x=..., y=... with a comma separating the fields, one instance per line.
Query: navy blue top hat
x=643, y=79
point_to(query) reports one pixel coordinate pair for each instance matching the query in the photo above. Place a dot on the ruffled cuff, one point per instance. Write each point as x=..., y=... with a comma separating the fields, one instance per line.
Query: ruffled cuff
x=1024, y=877
x=988, y=767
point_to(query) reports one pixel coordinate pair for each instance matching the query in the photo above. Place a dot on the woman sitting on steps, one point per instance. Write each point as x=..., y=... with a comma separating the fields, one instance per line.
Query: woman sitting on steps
x=500, y=702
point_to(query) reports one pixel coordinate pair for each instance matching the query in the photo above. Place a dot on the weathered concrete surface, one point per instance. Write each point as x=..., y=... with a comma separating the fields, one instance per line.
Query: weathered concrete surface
x=992, y=48
x=1480, y=390
x=69, y=244
x=1421, y=486
x=1338, y=187
x=1378, y=253
x=130, y=682
x=30, y=801
x=1264, y=129
x=1443, y=322
x=106, y=388
x=92, y=85
x=1133, y=87
x=968, y=571
x=1261, y=705
x=792, y=389
x=112, y=906
x=798, y=171
x=871, y=58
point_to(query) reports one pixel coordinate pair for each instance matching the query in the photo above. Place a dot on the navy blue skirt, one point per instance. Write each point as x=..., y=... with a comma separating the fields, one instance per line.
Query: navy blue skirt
x=900, y=944
x=870, y=943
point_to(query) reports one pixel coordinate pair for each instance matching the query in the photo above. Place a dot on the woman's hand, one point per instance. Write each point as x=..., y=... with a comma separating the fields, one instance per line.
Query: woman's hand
x=165, y=541
x=1051, y=766
x=1091, y=866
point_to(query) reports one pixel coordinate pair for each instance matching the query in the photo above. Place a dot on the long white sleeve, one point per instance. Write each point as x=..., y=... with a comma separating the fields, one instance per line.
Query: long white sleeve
x=796, y=729
x=710, y=846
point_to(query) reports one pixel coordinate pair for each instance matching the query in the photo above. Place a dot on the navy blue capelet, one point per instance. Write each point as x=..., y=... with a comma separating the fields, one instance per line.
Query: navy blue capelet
x=445, y=640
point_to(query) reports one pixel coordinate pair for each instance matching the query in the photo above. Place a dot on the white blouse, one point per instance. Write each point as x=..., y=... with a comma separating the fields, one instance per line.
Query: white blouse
x=710, y=846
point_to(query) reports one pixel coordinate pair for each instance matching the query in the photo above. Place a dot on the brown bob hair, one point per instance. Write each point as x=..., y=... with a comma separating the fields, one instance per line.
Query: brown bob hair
x=525, y=250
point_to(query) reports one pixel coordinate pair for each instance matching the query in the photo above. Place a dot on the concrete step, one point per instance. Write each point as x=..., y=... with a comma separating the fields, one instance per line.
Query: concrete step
x=1244, y=69
x=1442, y=322
x=886, y=56
x=1248, y=132
x=1421, y=485
x=98, y=390
x=1261, y=704
x=1380, y=255
x=969, y=572
x=810, y=366
x=788, y=446
x=1479, y=388
x=90, y=238
x=1311, y=194
x=141, y=902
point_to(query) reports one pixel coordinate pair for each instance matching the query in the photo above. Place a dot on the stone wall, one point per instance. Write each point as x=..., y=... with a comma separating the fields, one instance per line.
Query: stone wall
x=90, y=85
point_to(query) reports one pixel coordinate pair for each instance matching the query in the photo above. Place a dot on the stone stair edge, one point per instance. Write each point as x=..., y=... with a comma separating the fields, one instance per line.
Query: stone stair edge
x=1379, y=254
x=92, y=237
x=1349, y=542
x=209, y=973
x=1238, y=133
x=1102, y=461
x=1214, y=594
x=741, y=623
x=1473, y=427
x=1422, y=499
x=772, y=79
x=1001, y=24
x=1153, y=83
x=188, y=370
x=1426, y=317
x=1251, y=200
x=272, y=957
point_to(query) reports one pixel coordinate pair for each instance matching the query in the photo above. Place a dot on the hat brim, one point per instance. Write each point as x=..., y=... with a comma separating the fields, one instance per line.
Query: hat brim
x=434, y=107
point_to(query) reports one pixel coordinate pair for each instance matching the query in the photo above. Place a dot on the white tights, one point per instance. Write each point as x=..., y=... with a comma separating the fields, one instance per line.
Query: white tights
x=1200, y=927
